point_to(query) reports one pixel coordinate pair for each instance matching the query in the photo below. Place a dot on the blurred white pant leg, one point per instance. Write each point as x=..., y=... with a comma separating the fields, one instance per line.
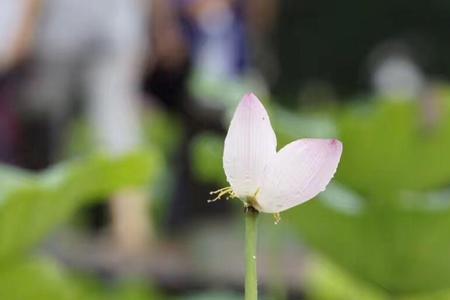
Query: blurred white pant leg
x=112, y=81
x=113, y=103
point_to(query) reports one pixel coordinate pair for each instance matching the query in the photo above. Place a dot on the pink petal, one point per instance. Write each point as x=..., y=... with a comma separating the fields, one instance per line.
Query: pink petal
x=249, y=145
x=299, y=171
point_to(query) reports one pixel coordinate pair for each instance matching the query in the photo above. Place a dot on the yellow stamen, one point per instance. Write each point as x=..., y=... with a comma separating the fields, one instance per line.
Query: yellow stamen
x=277, y=217
x=228, y=191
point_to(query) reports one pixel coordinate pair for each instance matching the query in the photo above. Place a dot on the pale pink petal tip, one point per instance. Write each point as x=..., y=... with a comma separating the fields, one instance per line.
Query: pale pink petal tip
x=251, y=100
x=337, y=144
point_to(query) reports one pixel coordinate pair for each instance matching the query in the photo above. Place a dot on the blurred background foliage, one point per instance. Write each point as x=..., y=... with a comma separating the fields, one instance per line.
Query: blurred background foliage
x=32, y=205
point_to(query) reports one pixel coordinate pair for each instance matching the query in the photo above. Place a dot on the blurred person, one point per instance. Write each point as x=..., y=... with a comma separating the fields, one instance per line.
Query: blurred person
x=200, y=44
x=213, y=44
x=94, y=50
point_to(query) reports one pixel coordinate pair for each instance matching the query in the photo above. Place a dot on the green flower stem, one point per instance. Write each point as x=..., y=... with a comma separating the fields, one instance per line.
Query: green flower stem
x=251, y=277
